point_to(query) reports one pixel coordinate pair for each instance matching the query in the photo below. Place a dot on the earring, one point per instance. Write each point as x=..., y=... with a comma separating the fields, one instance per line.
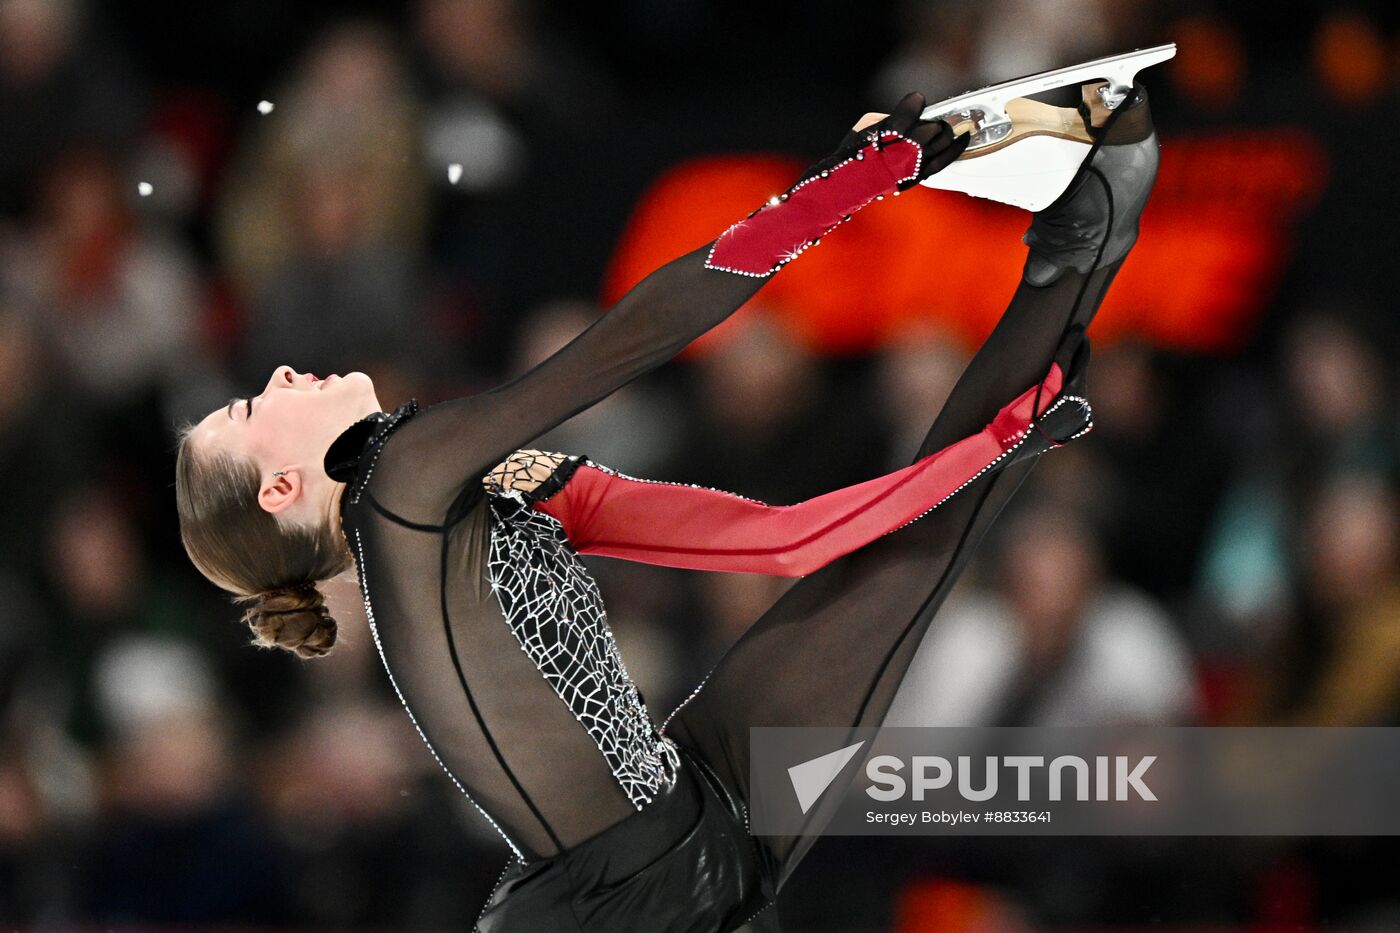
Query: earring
x=280, y=473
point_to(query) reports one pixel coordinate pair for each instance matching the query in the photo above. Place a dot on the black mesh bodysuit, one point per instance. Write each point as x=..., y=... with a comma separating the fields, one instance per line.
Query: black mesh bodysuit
x=493, y=632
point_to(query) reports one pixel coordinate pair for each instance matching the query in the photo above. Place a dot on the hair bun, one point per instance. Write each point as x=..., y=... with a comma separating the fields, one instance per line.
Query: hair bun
x=295, y=618
x=294, y=598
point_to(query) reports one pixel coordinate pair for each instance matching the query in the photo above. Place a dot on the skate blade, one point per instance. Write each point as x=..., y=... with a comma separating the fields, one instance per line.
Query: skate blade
x=1023, y=152
x=985, y=114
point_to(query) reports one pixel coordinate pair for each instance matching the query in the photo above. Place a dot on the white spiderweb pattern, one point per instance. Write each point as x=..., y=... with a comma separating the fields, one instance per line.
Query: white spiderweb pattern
x=552, y=605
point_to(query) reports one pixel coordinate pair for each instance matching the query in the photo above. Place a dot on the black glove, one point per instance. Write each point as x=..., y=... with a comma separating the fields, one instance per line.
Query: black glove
x=940, y=145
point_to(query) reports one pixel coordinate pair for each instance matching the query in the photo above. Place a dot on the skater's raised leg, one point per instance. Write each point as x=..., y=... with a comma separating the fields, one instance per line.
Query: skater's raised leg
x=833, y=649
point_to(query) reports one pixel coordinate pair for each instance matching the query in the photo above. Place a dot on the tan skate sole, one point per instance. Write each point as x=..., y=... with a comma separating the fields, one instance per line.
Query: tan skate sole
x=1032, y=118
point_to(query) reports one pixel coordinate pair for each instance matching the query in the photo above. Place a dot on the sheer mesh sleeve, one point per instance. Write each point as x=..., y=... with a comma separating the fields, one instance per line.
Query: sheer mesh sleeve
x=440, y=456
x=673, y=525
x=437, y=459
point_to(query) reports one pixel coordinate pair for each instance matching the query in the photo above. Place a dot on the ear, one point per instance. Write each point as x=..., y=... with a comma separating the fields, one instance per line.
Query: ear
x=280, y=492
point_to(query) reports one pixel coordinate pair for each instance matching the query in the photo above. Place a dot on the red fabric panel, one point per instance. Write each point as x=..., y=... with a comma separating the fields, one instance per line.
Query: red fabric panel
x=694, y=528
x=1215, y=238
x=782, y=229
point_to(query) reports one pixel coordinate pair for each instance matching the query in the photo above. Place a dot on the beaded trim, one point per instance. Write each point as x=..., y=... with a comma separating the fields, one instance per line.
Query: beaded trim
x=753, y=841
x=758, y=855
x=375, y=444
x=1008, y=455
x=661, y=482
x=511, y=863
x=557, y=480
x=1016, y=440
x=1085, y=406
x=799, y=248
x=374, y=633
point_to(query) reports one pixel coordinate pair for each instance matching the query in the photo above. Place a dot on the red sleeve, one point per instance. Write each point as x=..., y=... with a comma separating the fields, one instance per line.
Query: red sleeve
x=675, y=525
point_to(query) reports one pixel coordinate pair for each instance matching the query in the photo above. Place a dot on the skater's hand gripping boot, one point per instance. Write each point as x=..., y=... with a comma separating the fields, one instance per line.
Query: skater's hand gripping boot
x=1095, y=222
x=891, y=156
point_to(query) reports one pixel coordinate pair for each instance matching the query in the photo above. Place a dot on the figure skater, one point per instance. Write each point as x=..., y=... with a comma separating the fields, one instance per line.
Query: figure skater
x=493, y=633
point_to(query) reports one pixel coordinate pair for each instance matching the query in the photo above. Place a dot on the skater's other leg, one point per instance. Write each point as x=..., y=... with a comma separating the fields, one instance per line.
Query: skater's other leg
x=833, y=649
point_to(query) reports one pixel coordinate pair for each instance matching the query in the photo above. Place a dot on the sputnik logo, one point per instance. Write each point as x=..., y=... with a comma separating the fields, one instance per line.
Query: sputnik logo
x=811, y=778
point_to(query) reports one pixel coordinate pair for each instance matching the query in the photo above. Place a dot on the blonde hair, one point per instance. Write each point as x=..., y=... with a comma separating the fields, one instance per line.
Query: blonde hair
x=245, y=550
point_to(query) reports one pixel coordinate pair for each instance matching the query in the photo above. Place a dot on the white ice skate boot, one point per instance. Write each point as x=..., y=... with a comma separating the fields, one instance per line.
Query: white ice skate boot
x=1024, y=152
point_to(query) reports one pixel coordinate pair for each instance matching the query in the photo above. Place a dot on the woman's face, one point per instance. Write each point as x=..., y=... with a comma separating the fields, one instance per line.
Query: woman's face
x=287, y=429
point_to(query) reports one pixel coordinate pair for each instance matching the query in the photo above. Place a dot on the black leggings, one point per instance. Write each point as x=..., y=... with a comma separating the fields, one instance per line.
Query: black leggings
x=834, y=648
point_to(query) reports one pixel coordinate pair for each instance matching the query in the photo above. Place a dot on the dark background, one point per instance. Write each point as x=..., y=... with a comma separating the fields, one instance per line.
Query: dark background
x=1222, y=549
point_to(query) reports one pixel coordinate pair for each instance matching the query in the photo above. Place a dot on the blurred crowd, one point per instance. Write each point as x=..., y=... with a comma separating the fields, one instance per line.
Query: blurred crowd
x=1222, y=549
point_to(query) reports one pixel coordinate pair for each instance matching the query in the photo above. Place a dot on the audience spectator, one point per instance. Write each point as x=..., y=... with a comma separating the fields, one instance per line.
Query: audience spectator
x=178, y=841
x=323, y=216
x=412, y=200
x=118, y=303
x=62, y=85
x=1349, y=655
x=1056, y=644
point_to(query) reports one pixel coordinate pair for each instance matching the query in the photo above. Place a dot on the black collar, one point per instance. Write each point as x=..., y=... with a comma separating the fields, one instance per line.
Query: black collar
x=350, y=456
